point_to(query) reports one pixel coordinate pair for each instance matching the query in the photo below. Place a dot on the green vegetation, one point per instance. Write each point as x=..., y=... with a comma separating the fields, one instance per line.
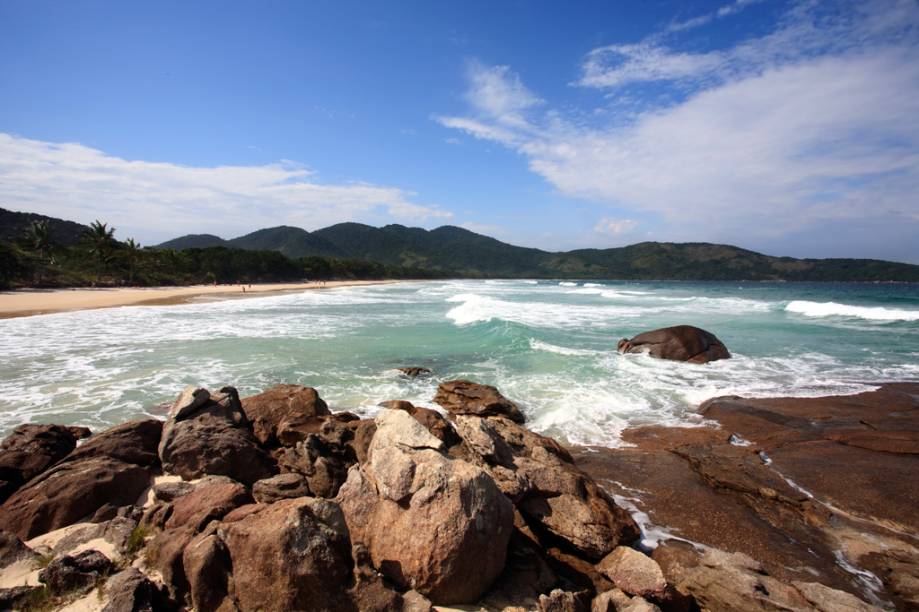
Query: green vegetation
x=47, y=252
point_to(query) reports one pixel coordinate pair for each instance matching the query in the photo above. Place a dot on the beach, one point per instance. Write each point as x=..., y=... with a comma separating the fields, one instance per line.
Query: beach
x=27, y=302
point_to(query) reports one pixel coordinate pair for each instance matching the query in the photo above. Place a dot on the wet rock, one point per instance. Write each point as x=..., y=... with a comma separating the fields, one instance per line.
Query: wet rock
x=282, y=486
x=633, y=572
x=70, y=492
x=29, y=451
x=212, y=438
x=414, y=372
x=285, y=414
x=133, y=442
x=466, y=397
x=678, y=343
x=431, y=523
x=79, y=572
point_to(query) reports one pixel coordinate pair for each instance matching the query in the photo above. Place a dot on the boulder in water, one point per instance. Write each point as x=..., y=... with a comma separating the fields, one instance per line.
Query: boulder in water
x=678, y=343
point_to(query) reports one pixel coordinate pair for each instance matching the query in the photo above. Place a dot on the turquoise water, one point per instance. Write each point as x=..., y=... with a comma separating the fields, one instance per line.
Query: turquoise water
x=548, y=345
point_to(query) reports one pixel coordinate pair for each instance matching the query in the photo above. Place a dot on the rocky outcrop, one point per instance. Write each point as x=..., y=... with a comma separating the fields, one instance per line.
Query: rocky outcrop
x=79, y=572
x=210, y=435
x=414, y=371
x=466, y=397
x=29, y=451
x=134, y=442
x=285, y=414
x=430, y=522
x=678, y=343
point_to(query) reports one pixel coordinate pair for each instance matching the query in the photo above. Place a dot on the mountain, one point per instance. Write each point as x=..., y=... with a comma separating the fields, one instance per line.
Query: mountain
x=456, y=251
x=14, y=224
x=193, y=241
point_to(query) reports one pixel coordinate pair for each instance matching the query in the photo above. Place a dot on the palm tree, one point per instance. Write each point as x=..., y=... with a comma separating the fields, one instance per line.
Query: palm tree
x=38, y=238
x=101, y=239
x=132, y=250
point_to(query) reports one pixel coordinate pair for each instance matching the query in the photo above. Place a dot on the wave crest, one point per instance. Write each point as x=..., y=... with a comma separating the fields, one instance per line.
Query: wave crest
x=835, y=309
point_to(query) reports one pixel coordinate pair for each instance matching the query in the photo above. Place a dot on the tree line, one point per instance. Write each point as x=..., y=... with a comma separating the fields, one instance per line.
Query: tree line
x=36, y=259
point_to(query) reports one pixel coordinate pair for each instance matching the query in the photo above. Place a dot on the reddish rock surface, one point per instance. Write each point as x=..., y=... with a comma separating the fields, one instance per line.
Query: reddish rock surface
x=466, y=397
x=678, y=343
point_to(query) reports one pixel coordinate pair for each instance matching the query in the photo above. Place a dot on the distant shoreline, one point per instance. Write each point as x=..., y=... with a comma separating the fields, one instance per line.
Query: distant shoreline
x=30, y=302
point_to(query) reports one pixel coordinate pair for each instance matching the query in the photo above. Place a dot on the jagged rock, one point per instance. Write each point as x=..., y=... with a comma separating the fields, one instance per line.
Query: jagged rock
x=171, y=491
x=610, y=601
x=432, y=420
x=133, y=442
x=12, y=549
x=78, y=572
x=282, y=486
x=209, y=501
x=633, y=572
x=564, y=601
x=29, y=451
x=413, y=601
x=678, y=343
x=70, y=492
x=206, y=562
x=370, y=592
x=290, y=555
x=14, y=598
x=466, y=397
x=431, y=523
x=212, y=438
x=131, y=591
x=111, y=537
x=285, y=414
x=323, y=466
x=414, y=371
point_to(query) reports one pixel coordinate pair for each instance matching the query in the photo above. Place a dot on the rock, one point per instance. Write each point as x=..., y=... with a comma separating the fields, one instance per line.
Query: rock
x=678, y=343
x=414, y=372
x=323, y=466
x=285, y=414
x=413, y=601
x=466, y=397
x=206, y=561
x=171, y=491
x=633, y=572
x=290, y=555
x=131, y=591
x=823, y=597
x=431, y=523
x=29, y=451
x=79, y=572
x=208, y=502
x=16, y=598
x=112, y=538
x=370, y=592
x=610, y=601
x=282, y=486
x=12, y=549
x=432, y=420
x=212, y=439
x=363, y=432
x=564, y=601
x=70, y=492
x=134, y=442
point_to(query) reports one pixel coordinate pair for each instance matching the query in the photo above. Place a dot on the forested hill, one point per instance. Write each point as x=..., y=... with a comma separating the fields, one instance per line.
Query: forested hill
x=456, y=251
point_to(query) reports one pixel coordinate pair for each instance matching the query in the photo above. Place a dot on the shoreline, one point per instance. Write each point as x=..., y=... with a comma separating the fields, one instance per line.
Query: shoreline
x=31, y=302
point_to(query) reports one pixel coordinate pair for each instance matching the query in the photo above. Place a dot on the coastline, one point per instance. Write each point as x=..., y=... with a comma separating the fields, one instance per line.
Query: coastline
x=30, y=302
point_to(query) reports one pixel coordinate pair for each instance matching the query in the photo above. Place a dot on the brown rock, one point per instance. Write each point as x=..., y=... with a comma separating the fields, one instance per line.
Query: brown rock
x=131, y=591
x=70, y=492
x=431, y=523
x=206, y=562
x=414, y=372
x=322, y=465
x=290, y=555
x=678, y=343
x=285, y=414
x=466, y=397
x=633, y=572
x=206, y=503
x=431, y=419
x=213, y=439
x=134, y=442
x=29, y=451
x=78, y=572
x=564, y=601
x=282, y=486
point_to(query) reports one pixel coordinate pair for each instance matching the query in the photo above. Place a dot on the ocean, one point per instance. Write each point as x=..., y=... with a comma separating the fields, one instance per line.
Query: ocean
x=548, y=345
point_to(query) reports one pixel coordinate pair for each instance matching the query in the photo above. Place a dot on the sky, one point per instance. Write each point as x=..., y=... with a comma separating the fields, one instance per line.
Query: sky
x=786, y=127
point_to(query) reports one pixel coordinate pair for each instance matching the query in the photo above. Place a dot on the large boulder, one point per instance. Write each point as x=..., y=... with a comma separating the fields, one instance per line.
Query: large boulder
x=29, y=451
x=678, y=343
x=285, y=414
x=633, y=572
x=76, y=573
x=291, y=555
x=133, y=442
x=467, y=397
x=209, y=434
x=432, y=523
x=72, y=491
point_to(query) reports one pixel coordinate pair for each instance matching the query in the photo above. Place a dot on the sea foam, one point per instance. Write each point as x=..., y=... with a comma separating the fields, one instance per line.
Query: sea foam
x=834, y=309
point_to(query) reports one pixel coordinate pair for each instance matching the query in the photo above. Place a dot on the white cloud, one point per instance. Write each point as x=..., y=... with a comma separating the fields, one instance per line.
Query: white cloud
x=706, y=18
x=815, y=122
x=154, y=200
x=615, y=227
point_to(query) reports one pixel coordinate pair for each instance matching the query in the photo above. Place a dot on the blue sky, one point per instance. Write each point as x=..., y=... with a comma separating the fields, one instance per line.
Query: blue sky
x=785, y=127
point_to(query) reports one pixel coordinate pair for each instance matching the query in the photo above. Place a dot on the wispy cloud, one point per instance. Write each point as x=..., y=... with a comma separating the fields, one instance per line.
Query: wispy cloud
x=155, y=200
x=615, y=227
x=814, y=122
x=706, y=18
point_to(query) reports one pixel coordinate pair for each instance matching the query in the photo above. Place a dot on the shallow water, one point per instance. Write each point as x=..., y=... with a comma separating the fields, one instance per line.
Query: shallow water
x=548, y=345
